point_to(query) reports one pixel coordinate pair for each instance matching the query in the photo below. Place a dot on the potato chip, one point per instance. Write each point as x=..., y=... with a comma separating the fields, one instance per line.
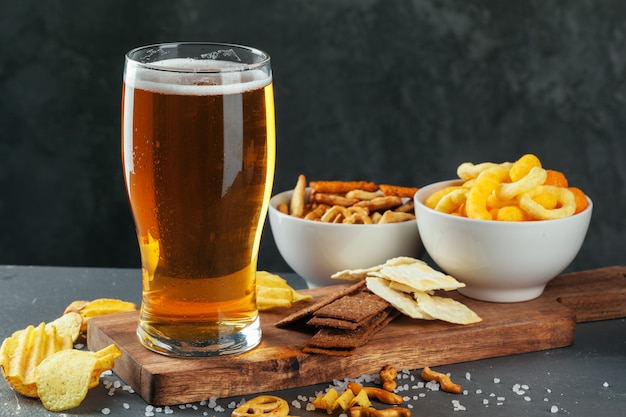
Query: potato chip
x=21, y=353
x=98, y=307
x=273, y=291
x=64, y=378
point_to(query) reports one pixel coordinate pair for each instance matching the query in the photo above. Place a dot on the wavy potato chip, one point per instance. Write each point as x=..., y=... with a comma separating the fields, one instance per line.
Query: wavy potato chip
x=25, y=349
x=273, y=291
x=98, y=307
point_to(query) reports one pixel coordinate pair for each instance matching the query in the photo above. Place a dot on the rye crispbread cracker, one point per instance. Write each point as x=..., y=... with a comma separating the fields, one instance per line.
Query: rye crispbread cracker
x=330, y=322
x=330, y=352
x=355, y=307
x=330, y=338
x=307, y=311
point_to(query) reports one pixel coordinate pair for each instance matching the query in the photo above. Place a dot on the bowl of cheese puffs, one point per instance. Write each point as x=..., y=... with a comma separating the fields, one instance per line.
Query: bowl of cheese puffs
x=324, y=227
x=503, y=229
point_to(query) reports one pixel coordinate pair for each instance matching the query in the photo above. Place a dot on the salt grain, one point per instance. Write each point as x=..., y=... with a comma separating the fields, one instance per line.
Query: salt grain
x=458, y=406
x=468, y=376
x=496, y=380
x=126, y=406
x=605, y=385
x=554, y=409
x=105, y=411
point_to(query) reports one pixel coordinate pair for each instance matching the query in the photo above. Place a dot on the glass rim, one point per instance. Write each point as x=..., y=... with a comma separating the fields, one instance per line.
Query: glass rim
x=243, y=66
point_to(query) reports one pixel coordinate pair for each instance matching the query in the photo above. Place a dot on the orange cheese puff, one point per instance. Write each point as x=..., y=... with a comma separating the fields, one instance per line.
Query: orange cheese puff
x=580, y=198
x=556, y=178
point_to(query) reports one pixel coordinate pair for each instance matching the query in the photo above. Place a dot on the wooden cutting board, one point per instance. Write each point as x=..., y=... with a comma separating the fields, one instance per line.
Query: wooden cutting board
x=279, y=363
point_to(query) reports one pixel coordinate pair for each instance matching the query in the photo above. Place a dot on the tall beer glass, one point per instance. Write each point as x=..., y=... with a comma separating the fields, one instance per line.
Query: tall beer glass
x=198, y=151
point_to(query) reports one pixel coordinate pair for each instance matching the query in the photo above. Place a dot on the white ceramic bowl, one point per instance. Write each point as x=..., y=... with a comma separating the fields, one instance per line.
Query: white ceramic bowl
x=499, y=261
x=316, y=250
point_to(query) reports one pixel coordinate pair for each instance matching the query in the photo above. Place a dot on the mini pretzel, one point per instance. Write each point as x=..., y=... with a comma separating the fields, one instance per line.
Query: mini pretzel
x=444, y=380
x=388, y=377
x=317, y=212
x=377, y=393
x=372, y=412
x=263, y=406
x=335, y=214
x=395, y=217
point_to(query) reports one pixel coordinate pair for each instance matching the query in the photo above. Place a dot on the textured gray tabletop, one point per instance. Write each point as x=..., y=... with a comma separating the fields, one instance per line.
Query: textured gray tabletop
x=585, y=379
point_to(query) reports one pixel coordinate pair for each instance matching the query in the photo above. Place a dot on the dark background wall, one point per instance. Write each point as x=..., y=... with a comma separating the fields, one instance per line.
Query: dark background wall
x=394, y=91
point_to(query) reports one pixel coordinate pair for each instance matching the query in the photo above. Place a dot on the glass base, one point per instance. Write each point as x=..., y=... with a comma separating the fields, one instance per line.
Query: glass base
x=231, y=344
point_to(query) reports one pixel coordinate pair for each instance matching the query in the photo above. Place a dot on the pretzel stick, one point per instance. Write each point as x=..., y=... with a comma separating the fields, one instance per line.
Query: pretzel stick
x=443, y=379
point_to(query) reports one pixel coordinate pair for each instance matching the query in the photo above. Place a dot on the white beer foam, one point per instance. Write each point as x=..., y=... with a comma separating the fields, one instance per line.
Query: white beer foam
x=198, y=77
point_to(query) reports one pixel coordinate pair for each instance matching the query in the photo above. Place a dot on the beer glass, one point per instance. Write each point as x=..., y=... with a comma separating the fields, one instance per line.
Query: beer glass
x=198, y=152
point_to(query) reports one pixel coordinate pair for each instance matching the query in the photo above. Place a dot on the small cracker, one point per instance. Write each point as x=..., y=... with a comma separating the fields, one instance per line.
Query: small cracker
x=338, y=338
x=446, y=309
x=328, y=351
x=419, y=276
x=310, y=308
x=354, y=307
x=330, y=322
x=361, y=274
x=400, y=300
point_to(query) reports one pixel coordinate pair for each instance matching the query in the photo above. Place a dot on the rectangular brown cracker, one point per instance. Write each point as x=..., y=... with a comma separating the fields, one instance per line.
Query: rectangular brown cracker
x=339, y=338
x=331, y=322
x=330, y=352
x=308, y=311
x=355, y=307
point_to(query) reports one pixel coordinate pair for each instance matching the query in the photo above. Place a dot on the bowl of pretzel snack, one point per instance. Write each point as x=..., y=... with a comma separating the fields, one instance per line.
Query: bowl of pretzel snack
x=503, y=229
x=322, y=227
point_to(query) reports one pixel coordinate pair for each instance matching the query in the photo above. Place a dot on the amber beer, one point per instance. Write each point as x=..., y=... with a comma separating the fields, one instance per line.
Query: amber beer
x=198, y=148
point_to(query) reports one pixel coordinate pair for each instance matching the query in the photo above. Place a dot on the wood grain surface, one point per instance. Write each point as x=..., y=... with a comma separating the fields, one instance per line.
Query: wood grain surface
x=278, y=362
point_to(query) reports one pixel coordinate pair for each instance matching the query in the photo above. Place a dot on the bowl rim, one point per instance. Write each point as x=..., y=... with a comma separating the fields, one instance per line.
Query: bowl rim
x=458, y=181
x=272, y=208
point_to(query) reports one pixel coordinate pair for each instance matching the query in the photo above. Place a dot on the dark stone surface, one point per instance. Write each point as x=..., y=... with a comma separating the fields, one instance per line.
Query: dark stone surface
x=391, y=91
